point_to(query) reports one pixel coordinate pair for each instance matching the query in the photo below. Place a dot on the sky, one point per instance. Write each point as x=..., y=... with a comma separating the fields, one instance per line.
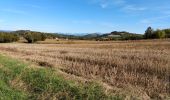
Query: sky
x=84, y=16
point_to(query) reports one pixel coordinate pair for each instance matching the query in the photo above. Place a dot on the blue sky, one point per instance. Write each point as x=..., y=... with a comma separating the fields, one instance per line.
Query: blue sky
x=82, y=16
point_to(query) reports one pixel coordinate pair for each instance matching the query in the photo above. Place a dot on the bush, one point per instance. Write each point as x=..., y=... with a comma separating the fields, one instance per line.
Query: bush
x=167, y=32
x=159, y=34
x=32, y=37
x=8, y=37
x=132, y=37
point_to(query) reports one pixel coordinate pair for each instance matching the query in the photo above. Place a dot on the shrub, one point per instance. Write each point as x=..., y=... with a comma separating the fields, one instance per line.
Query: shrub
x=132, y=37
x=8, y=37
x=167, y=32
x=32, y=37
x=158, y=34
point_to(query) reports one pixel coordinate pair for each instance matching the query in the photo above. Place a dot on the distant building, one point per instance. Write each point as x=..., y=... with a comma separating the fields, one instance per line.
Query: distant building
x=57, y=39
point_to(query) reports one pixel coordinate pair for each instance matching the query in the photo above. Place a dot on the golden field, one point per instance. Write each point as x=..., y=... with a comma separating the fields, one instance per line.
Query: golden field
x=130, y=68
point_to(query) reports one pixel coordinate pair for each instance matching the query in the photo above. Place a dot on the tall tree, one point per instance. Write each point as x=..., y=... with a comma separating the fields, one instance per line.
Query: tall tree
x=148, y=33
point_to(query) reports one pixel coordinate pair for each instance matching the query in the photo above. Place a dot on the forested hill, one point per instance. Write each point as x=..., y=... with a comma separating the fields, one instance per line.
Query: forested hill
x=33, y=36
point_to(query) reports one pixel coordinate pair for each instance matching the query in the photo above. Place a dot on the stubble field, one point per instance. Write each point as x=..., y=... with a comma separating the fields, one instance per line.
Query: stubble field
x=135, y=68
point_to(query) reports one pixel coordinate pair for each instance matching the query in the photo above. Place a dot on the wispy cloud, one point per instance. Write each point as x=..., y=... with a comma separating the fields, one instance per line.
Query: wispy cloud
x=145, y=21
x=82, y=22
x=104, y=5
x=130, y=8
x=155, y=19
x=108, y=3
x=121, y=4
x=15, y=11
x=34, y=6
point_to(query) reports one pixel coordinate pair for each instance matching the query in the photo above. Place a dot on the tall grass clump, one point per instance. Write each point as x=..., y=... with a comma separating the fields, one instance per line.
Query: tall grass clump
x=44, y=84
x=9, y=70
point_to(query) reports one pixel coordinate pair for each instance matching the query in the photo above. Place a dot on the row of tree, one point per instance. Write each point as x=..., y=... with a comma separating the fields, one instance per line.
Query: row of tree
x=32, y=36
x=156, y=34
x=8, y=37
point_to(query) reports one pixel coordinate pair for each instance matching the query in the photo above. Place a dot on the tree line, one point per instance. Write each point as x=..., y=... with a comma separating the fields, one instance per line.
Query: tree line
x=32, y=36
x=8, y=37
x=156, y=34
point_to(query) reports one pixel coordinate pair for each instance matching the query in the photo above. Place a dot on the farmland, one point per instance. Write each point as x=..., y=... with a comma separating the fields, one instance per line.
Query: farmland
x=134, y=69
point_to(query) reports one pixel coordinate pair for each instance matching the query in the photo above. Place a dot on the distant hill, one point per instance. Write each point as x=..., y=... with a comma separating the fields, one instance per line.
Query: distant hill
x=5, y=31
x=122, y=35
x=93, y=35
x=115, y=35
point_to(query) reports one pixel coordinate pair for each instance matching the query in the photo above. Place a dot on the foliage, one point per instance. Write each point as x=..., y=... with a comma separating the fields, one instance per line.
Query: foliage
x=167, y=32
x=122, y=35
x=51, y=36
x=149, y=33
x=8, y=37
x=159, y=34
x=132, y=37
x=32, y=37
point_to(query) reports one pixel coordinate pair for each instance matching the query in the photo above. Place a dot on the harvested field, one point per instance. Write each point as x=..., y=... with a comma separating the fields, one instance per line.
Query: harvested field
x=136, y=68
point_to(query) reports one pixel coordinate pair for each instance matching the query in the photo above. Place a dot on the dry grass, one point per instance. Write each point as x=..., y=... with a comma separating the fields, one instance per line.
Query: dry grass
x=140, y=68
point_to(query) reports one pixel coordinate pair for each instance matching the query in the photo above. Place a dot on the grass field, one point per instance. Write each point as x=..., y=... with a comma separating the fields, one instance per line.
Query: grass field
x=131, y=69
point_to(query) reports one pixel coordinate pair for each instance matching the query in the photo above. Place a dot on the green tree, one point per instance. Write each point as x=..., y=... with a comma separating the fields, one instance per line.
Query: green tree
x=29, y=37
x=43, y=37
x=159, y=34
x=148, y=33
x=167, y=32
x=8, y=37
x=32, y=37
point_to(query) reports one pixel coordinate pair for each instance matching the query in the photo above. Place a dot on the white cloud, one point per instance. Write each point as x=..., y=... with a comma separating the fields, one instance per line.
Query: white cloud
x=145, y=21
x=104, y=5
x=121, y=4
x=130, y=8
x=34, y=6
x=15, y=11
x=82, y=22
x=155, y=19
x=163, y=13
x=108, y=3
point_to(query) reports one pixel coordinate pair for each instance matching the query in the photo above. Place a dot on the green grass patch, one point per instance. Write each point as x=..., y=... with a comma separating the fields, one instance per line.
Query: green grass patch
x=43, y=83
x=10, y=69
